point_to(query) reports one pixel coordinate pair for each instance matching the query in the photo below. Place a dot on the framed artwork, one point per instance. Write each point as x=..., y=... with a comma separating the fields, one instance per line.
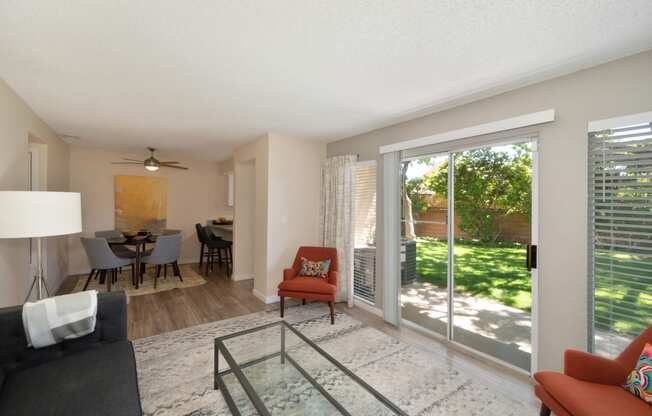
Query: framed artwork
x=141, y=203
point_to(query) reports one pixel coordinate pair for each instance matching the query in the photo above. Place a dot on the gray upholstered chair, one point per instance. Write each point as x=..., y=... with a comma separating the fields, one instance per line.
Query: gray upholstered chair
x=120, y=251
x=102, y=260
x=166, y=251
x=108, y=234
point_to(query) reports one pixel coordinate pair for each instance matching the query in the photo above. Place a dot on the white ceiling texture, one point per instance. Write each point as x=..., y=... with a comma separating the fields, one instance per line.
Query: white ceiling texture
x=203, y=76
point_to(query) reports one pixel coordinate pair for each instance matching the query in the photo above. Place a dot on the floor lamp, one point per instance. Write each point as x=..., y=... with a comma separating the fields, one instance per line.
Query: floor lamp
x=30, y=214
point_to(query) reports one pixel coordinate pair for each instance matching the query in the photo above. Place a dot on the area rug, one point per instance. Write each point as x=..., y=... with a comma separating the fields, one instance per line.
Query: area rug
x=175, y=369
x=190, y=279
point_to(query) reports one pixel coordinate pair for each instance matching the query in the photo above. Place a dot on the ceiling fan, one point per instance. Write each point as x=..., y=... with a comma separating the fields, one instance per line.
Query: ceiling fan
x=151, y=163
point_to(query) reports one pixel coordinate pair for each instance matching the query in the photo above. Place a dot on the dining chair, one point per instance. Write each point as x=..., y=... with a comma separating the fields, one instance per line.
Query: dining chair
x=166, y=251
x=102, y=260
x=108, y=234
x=120, y=251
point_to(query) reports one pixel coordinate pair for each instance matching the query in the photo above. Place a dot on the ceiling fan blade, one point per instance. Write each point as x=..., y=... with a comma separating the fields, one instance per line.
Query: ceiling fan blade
x=133, y=160
x=170, y=162
x=126, y=163
x=173, y=166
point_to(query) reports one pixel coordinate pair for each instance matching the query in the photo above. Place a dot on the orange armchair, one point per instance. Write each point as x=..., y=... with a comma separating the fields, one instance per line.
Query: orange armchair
x=309, y=287
x=592, y=385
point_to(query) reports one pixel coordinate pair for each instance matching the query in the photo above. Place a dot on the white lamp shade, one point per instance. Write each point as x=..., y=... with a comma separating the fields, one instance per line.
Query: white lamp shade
x=26, y=214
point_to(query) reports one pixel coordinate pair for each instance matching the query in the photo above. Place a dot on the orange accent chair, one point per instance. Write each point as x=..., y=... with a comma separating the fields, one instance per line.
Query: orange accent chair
x=310, y=287
x=592, y=385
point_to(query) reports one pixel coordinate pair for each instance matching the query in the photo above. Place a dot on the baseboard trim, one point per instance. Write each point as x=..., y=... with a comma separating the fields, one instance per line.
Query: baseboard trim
x=242, y=276
x=267, y=299
x=357, y=303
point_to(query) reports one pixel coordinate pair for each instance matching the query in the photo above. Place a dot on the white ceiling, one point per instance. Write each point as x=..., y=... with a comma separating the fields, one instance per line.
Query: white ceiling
x=203, y=76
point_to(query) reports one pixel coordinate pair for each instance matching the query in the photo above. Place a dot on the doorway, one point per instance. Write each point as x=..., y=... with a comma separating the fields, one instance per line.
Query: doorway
x=468, y=247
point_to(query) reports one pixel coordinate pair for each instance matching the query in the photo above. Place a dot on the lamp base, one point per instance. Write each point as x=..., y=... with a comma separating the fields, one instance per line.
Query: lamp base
x=39, y=281
x=39, y=284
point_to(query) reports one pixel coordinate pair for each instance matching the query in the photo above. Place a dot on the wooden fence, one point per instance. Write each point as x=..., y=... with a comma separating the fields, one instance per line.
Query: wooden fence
x=513, y=227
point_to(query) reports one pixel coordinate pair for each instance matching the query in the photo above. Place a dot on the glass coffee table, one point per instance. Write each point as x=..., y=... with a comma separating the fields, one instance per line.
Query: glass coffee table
x=276, y=370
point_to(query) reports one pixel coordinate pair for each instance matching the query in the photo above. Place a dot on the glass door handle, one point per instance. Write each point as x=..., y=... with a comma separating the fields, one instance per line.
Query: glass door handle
x=531, y=257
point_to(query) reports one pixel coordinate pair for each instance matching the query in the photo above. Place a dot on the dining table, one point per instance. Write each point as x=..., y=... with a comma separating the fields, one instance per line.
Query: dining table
x=139, y=242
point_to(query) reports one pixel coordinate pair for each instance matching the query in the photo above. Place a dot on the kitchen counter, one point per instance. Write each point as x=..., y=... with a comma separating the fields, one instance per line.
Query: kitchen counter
x=222, y=230
x=223, y=227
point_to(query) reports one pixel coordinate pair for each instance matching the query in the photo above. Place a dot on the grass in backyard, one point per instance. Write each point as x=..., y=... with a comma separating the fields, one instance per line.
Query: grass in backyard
x=623, y=295
x=490, y=271
x=498, y=272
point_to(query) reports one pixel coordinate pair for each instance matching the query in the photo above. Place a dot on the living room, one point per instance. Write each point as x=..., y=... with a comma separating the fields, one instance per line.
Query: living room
x=325, y=208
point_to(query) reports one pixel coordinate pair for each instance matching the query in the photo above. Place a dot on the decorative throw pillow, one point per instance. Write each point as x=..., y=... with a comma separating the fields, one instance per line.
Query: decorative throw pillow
x=314, y=268
x=639, y=381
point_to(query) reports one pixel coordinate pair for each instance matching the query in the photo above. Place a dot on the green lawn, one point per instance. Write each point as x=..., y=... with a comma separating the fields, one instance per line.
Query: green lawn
x=628, y=276
x=498, y=272
x=491, y=271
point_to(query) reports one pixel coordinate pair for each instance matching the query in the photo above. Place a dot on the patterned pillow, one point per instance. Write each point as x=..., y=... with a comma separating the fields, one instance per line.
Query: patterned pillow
x=639, y=381
x=314, y=268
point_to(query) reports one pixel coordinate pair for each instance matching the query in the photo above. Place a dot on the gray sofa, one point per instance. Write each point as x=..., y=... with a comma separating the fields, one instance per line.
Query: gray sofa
x=92, y=375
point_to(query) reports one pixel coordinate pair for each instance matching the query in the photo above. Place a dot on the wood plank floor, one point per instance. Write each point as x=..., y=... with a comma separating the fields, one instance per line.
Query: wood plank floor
x=220, y=298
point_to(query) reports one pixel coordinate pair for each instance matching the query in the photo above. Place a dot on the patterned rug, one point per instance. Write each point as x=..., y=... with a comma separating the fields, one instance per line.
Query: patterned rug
x=175, y=370
x=190, y=278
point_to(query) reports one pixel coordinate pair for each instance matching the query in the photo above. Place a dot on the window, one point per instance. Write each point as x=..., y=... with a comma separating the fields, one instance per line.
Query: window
x=620, y=233
x=231, y=189
x=364, y=259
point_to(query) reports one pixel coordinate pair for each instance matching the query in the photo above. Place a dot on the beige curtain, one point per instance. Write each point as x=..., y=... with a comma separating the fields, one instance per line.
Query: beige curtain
x=337, y=217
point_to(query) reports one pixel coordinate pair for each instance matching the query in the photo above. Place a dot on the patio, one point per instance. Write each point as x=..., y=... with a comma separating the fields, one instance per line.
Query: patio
x=422, y=301
x=506, y=329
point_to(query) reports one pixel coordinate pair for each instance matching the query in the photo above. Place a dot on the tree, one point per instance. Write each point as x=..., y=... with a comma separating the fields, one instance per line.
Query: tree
x=489, y=183
x=412, y=199
x=406, y=204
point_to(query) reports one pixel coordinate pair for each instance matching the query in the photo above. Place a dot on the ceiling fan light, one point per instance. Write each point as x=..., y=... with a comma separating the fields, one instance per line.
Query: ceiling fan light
x=151, y=164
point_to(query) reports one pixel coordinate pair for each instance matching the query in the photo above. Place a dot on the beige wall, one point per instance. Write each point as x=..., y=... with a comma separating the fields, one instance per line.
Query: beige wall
x=227, y=165
x=244, y=228
x=285, y=194
x=250, y=212
x=195, y=195
x=294, y=199
x=617, y=88
x=17, y=123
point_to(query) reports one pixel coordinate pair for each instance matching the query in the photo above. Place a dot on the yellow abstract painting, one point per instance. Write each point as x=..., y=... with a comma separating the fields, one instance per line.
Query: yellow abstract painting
x=141, y=203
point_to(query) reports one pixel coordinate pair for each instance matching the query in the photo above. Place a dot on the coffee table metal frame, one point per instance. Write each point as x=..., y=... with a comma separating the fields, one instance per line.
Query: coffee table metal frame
x=236, y=369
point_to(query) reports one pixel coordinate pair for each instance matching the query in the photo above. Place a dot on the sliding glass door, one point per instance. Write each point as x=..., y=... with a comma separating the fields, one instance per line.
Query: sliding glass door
x=424, y=242
x=466, y=247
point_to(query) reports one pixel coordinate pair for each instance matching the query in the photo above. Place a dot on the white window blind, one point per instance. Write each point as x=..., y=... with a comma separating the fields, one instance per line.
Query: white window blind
x=620, y=236
x=364, y=259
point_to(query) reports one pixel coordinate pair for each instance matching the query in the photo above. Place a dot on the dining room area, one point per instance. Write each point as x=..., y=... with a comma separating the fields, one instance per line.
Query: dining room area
x=163, y=294
x=164, y=237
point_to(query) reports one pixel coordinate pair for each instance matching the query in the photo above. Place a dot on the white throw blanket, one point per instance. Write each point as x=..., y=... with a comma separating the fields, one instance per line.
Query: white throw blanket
x=50, y=321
